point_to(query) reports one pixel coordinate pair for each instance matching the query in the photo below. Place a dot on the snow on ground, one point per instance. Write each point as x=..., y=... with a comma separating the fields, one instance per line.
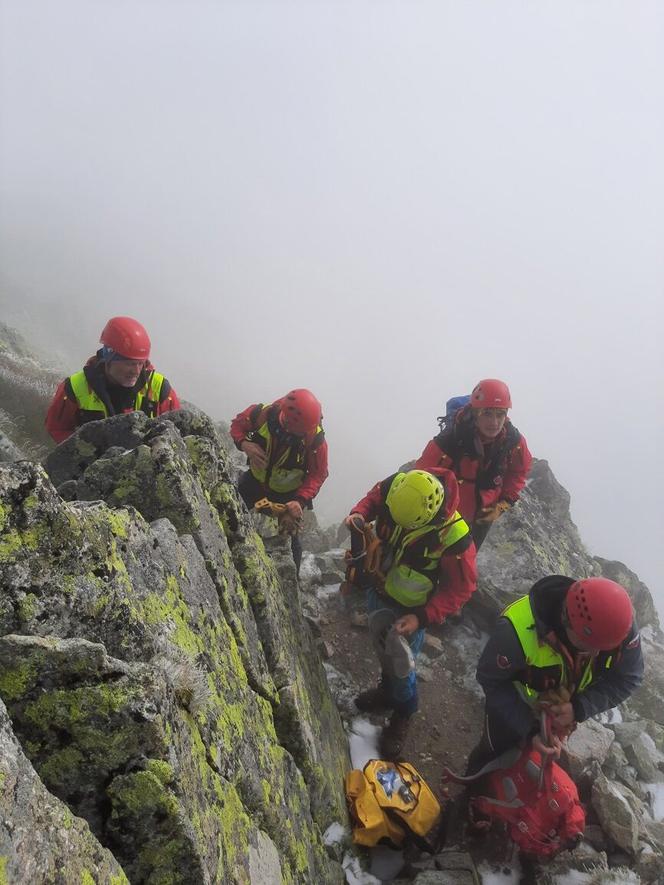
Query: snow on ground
x=503, y=875
x=326, y=591
x=610, y=716
x=363, y=741
x=355, y=875
x=335, y=834
x=309, y=571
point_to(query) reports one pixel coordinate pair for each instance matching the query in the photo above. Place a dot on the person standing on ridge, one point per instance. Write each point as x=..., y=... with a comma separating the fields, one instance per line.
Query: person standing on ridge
x=571, y=647
x=487, y=454
x=120, y=378
x=423, y=570
x=287, y=453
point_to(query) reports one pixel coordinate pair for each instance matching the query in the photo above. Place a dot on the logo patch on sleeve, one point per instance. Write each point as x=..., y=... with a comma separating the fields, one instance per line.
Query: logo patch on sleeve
x=503, y=662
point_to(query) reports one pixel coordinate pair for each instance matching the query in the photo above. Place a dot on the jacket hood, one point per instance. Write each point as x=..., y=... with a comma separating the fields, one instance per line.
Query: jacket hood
x=451, y=488
x=546, y=600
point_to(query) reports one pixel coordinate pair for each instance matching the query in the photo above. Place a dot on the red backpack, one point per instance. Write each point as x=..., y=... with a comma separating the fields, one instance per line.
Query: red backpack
x=541, y=809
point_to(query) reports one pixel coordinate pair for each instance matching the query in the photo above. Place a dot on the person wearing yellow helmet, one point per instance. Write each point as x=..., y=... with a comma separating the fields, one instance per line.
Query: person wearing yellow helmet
x=425, y=570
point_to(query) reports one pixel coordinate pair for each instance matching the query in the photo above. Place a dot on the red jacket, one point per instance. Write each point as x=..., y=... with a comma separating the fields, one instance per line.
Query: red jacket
x=486, y=473
x=244, y=427
x=457, y=575
x=64, y=415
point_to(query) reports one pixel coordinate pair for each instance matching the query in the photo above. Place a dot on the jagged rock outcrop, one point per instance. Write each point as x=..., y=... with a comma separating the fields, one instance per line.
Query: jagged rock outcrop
x=156, y=664
x=26, y=388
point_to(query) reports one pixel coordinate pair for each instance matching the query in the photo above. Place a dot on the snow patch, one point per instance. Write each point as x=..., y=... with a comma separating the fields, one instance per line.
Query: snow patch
x=503, y=875
x=335, y=834
x=355, y=875
x=363, y=741
x=326, y=591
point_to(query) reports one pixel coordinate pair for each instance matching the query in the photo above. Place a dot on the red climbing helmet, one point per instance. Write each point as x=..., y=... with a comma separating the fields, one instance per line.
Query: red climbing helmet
x=600, y=612
x=491, y=394
x=300, y=412
x=126, y=337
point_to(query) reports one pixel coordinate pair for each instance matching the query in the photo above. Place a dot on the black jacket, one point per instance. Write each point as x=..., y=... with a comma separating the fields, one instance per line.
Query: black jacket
x=509, y=717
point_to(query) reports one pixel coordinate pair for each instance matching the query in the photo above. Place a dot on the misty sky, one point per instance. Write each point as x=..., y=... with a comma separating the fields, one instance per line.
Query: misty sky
x=381, y=201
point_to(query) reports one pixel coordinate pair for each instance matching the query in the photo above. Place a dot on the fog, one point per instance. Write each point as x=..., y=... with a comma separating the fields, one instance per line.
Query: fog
x=383, y=202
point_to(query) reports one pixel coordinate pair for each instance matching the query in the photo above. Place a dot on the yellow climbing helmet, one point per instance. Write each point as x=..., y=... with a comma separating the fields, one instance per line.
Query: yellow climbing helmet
x=414, y=498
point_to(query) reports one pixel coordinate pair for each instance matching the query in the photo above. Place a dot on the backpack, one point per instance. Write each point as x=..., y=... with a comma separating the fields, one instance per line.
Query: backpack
x=452, y=406
x=541, y=810
x=390, y=804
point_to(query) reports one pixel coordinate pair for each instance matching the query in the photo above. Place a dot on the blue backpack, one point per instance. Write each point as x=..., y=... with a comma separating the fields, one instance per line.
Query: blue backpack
x=451, y=408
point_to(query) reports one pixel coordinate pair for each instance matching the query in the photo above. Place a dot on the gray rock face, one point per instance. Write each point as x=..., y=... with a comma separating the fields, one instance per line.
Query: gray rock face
x=535, y=538
x=26, y=388
x=40, y=839
x=156, y=663
x=615, y=814
x=8, y=451
x=590, y=742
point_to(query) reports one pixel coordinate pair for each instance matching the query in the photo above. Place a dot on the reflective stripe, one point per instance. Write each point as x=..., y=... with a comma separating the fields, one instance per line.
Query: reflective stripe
x=407, y=586
x=538, y=653
x=281, y=479
x=89, y=401
x=411, y=584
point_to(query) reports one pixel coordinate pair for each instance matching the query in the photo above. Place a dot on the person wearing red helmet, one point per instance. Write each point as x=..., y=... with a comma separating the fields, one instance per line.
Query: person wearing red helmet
x=488, y=455
x=287, y=453
x=119, y=378
x=569, y=646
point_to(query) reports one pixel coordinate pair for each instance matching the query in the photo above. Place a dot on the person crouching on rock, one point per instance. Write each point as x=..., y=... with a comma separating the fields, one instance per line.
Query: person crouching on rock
x=424, y=570
x=570, y=649
x=119, y=378
x=285, y=445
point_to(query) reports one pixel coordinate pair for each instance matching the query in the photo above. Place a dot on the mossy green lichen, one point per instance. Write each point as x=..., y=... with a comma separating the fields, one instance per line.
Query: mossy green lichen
x=161, y=770
x=141, y=791
x=26, y=608
x=19, y=544
x=15, y=682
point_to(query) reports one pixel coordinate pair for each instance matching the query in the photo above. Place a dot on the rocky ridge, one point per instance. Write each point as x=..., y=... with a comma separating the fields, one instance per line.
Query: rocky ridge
x=155, y=664
x=166, y=717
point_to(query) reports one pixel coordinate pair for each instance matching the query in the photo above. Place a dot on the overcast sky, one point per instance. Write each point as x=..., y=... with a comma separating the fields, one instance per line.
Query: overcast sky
x=384, y=202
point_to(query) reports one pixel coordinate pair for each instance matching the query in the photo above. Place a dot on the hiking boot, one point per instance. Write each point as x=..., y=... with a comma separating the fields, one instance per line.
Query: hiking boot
x=374, y=700
x=394, y=737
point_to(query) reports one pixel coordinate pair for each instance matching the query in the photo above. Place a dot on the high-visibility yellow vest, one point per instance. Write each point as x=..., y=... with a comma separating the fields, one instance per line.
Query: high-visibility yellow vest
x=540, y=655
x=147, y=398
x=287, y=472
x=411, y=583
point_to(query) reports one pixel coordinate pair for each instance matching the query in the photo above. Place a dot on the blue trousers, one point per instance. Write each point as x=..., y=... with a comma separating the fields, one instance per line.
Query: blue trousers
x=401, y=692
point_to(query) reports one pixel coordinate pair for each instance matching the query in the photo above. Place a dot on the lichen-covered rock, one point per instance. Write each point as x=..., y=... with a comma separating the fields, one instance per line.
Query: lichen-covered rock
x=535, y=538
x=41, y=841
x=227, y=741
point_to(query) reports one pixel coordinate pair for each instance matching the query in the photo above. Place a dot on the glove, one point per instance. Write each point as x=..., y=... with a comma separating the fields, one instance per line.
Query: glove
x=491, y=514
x=295, y=509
